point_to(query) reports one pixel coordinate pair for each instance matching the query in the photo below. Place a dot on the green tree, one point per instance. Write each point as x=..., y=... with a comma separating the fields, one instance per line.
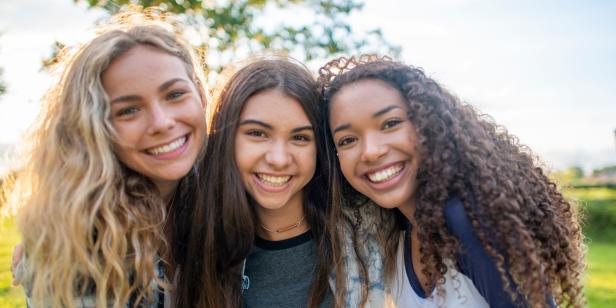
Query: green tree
x=2, y=84
x=232, y=29
x=569, y=175
x=605, y=171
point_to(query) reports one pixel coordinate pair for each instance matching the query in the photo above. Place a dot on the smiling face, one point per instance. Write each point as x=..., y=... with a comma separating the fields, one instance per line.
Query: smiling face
x=275, y=150
x=157, y=112
x=377, y=144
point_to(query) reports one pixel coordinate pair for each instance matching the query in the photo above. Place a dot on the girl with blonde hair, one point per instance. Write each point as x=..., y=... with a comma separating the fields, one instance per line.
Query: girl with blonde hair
x=108, y=170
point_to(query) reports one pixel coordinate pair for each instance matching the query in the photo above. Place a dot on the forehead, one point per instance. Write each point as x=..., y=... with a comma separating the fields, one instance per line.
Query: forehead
x=274, y=106
x=364, y=96
x=143, y=64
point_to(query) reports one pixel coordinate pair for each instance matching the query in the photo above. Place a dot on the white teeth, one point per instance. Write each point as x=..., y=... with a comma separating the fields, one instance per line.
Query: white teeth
x=273, y=180
x=168, y=147
x=385, y=174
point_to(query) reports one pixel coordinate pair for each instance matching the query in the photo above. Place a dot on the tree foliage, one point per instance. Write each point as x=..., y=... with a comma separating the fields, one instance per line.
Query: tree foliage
x=569, y=176
x=609, y=171
x=2, y=84
x=231, y=29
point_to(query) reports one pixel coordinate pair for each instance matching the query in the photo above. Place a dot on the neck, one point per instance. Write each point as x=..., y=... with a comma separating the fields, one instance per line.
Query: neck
x=167, y=189
x=282, y=218
x=408, y=210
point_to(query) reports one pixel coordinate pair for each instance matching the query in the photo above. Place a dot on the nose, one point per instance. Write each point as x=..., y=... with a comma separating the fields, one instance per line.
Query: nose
x=373, y=149
x=161, y=120
x=278, y=155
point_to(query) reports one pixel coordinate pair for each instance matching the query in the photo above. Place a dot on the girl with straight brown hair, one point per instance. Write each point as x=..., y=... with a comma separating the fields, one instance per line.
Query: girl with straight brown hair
x=258, y=232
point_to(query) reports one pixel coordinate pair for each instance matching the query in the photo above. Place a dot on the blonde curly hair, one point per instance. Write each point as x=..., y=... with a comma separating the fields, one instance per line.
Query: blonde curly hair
x=90, y=224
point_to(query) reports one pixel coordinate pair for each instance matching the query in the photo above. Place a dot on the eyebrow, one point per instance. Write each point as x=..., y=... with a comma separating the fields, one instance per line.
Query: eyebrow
x=299, y=129
x=342, y=127
x=375, y=115
x=260, y=123
x=169, y=83
x=125, y=98
x=385, y=110
x=257, y=122
x=134, y=98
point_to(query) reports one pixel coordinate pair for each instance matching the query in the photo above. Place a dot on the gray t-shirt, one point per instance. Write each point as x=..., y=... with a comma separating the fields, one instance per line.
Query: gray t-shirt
x=281, y=273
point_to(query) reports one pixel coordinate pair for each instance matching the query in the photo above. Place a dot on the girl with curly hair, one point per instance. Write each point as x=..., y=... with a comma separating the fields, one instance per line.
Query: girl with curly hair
x=465, y=216
x=99, y=194
x=258, y=232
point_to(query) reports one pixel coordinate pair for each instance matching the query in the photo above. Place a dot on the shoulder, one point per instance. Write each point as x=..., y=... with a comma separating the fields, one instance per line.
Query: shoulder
x=366, y=216
x=363, y=223
x=20, y=276
x=361, y=230
x=456, y=217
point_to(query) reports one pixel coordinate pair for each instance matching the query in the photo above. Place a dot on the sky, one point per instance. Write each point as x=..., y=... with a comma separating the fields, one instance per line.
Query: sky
x=545, y=70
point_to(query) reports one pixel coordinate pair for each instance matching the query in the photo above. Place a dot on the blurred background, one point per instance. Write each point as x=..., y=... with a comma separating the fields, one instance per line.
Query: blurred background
x=545, y=70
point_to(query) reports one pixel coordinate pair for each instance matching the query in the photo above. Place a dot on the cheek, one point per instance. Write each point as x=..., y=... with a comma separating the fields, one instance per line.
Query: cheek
x=311, y=157
x=200, y=131
x=346, y=166
x=412, y=135
x=123, y=154
x=127, y=139
x=197, y=116
x=239, y=150
x=129, y=133
x=243, y=169
x=199, y=120
x=246, y=156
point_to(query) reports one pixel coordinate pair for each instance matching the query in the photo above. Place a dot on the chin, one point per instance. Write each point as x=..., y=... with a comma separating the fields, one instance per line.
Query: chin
x=389, y=202
x=270, y=205
x=387, y=205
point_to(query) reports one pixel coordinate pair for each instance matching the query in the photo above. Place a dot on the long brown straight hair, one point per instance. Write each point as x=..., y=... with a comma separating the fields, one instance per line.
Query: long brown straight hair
x=222, y=230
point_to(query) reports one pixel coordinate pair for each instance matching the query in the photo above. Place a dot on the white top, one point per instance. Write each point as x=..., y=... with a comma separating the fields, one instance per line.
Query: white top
x=458, y=290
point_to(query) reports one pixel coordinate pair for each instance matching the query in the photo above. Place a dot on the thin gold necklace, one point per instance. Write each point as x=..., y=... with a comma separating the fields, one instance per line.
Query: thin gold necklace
x=284, y=229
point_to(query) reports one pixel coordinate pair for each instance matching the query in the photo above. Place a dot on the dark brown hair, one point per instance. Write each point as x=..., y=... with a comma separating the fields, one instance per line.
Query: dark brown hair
x=517, y=212
x=223, y=218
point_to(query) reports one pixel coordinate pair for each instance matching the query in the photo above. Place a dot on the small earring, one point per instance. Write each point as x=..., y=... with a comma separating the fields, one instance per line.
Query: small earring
x=337, y=154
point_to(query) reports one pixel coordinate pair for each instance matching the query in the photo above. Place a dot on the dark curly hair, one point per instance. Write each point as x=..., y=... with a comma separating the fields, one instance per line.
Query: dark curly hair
x=521, y=218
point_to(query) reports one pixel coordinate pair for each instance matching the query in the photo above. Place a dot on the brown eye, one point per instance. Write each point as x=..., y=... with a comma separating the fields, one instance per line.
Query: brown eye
x=346, y=141
x=256, y=133
x=391, y=123
x=303, y=138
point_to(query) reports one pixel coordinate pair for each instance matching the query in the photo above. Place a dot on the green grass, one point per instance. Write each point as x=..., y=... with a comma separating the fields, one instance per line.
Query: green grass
x=599, y=208
x=9, y=296
x=599, y=204
x=601, y=275
x=599, y=224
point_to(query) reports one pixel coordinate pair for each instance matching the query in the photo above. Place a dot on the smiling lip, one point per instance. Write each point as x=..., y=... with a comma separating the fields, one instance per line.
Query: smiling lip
x=387, y=176
x=264, y=184
x=171, y=150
